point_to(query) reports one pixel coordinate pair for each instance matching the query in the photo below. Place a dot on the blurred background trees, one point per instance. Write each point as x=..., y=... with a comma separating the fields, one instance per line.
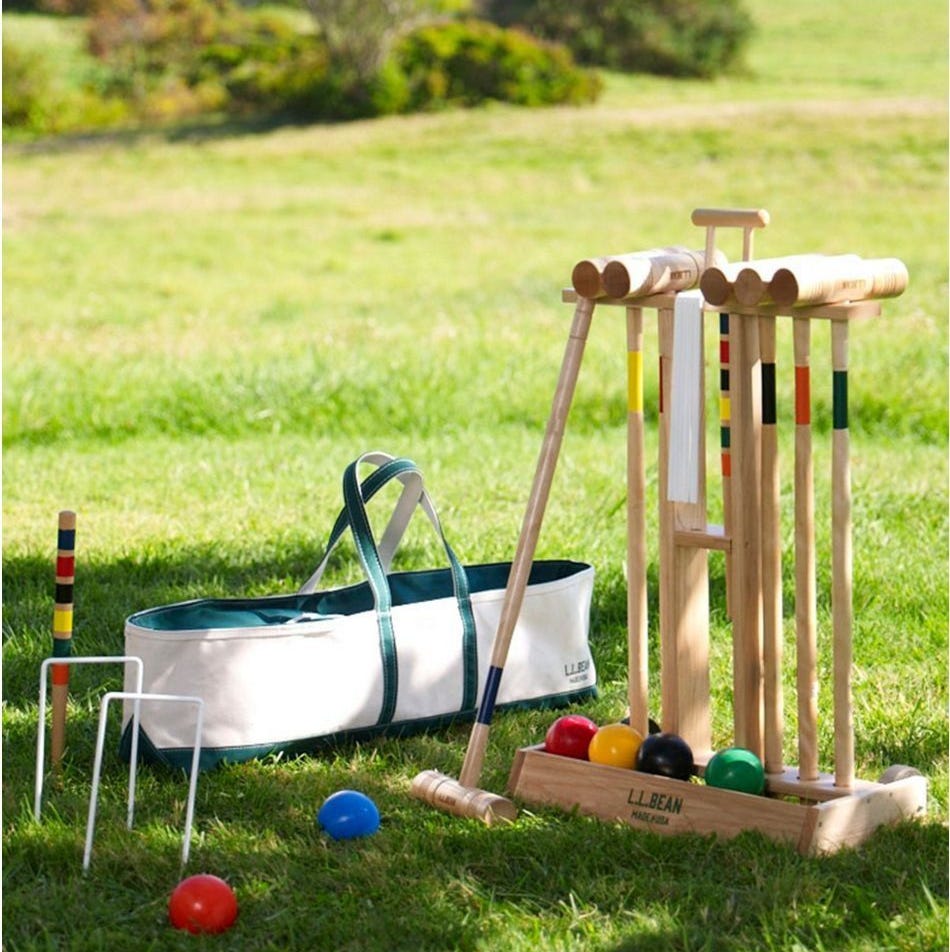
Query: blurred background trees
x=133, y=61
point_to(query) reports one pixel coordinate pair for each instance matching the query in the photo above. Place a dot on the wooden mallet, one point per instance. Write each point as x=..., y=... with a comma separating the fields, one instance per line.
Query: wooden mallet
x=462, y=797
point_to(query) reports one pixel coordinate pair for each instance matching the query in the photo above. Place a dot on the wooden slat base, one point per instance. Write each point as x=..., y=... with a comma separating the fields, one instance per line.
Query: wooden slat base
x=656, y=803
x=788, y=784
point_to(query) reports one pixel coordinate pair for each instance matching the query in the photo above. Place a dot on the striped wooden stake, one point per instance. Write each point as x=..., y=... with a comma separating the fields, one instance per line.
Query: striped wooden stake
x=725, y=443
x=806, y=624
x=62, y=628
x=771, y=556
x=841, y=579
x=638, y=673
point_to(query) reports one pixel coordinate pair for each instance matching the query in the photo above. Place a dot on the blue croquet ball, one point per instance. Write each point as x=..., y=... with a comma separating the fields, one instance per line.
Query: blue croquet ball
x=736, y=769
x=347, y=814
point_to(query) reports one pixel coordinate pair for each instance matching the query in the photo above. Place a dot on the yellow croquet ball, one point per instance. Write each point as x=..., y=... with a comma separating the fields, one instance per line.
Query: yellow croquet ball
x=615, y=745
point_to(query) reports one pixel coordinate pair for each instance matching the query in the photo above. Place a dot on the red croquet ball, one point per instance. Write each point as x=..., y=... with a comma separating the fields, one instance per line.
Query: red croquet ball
x=203, y=903
x=570, y=736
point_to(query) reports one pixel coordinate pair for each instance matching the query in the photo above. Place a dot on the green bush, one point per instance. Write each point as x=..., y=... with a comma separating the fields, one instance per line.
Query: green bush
x=175, y=57
x=27, y=89
x=699, y=38
x=35, y=102
x=470, y=62
x=169, y=59
x=242, y=61
x=264, y=65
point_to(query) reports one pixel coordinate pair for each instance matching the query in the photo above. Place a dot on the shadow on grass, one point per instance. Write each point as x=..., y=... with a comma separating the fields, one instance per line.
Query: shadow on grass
x=430, y=881
x=426, y=881
x=107, y=592
x=199, y=130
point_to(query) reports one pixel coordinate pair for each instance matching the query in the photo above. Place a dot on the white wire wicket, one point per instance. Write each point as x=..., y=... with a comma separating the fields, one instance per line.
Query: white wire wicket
x=97, y=767
x=41, y=727
x=137, y=697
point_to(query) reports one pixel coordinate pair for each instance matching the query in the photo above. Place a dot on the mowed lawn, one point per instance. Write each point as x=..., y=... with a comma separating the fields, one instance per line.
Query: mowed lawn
x=202, y=327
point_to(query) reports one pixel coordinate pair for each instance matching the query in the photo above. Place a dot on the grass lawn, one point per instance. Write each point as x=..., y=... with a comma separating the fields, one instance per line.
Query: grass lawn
x=202, y=327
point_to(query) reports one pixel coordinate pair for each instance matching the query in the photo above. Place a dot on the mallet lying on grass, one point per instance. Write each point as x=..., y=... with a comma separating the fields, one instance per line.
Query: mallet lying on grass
x=463, y=797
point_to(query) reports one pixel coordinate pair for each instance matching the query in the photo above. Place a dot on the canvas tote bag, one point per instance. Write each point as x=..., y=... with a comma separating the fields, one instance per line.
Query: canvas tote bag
x=396, y=653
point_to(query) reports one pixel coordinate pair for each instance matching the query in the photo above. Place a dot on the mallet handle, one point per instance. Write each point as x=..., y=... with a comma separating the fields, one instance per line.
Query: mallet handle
x=806, y=624
x=841, y=559
x=771, y=555
x=637, y=645
x=528, y=540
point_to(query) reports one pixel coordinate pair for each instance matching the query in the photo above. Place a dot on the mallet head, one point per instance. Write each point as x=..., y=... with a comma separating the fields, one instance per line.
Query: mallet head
x=449, y=795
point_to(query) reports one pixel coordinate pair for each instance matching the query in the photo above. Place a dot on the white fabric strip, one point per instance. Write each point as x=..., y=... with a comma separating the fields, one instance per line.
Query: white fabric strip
x=686, y=398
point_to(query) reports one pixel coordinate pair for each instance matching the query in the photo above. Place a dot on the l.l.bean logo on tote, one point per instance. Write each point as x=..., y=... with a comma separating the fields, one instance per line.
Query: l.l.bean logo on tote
x=577, y=671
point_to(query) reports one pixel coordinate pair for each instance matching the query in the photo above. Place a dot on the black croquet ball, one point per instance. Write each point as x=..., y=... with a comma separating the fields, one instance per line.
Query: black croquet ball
x=665, y=754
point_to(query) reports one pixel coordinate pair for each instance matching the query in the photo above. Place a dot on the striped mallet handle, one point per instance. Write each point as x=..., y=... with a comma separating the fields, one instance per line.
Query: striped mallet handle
x=841, y=559
x=62, y=627
x=806, y=610
x=771, y=553
x=637, y=644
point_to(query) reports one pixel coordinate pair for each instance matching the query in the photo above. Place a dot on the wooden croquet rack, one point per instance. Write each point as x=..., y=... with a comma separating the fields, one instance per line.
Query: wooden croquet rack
x=814, y=811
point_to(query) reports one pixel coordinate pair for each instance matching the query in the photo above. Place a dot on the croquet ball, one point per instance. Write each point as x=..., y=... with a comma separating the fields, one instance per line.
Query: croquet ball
x=652, y=726
x=665, y=754
x=347, y=814
x=203, y=903
x=570, y=736
x=615, y=745
x=736, y=769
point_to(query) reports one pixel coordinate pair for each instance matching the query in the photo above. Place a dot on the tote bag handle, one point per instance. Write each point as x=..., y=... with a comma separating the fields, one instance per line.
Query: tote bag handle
x=376, y=564
x=390, y=467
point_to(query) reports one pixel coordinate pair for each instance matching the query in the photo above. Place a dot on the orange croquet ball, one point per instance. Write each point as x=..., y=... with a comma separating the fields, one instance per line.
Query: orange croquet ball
x=615, y=745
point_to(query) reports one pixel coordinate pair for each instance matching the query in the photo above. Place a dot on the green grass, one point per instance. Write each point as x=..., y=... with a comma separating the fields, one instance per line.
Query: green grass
x=203, y=326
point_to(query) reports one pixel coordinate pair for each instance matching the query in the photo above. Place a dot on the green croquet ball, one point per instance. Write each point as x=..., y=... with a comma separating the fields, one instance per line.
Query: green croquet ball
x=736, y=769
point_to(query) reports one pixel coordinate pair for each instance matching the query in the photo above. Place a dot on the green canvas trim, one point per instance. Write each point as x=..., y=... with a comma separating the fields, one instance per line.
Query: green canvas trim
x=368, y=488
x=407, y=588
x=179, y=758
x=376, y=576
x=355, y=508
